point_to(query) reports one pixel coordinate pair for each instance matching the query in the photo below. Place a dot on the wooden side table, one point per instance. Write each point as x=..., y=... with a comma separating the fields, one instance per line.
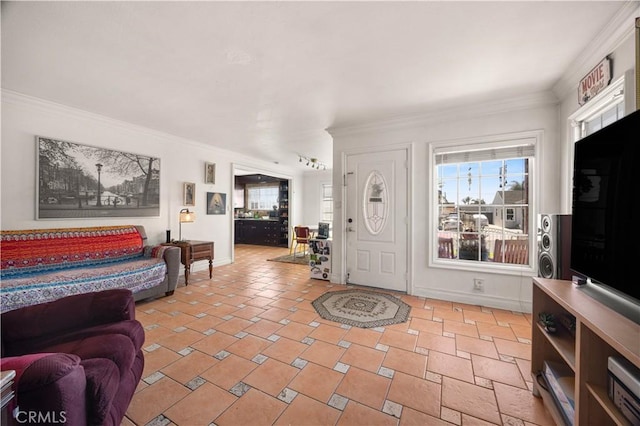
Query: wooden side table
x=192, y=251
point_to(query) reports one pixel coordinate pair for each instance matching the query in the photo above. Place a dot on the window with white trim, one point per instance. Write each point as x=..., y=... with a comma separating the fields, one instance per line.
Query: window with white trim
x=483, y=202
x=603, y=119
x=602, y=110
x=262, y=196
x=326, y=204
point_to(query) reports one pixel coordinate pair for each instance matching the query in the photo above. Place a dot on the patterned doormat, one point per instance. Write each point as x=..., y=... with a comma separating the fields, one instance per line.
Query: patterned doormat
x=361, y=308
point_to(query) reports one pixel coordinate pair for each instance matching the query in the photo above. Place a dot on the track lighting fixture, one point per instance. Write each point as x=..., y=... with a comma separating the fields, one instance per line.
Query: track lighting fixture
x=313, y=162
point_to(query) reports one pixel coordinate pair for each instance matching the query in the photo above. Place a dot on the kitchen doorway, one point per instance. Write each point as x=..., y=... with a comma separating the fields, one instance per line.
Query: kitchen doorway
x=261, y=208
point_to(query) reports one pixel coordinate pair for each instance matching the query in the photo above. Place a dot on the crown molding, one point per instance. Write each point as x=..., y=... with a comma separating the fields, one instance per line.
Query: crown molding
x=10, y=97
x=475, y=110
x=619, y=29
x=46, y=106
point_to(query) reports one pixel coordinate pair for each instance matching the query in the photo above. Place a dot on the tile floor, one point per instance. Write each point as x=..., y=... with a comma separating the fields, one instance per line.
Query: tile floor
x=247, y=348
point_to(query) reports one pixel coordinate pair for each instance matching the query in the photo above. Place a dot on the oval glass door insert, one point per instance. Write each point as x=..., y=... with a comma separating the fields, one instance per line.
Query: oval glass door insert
x=375, y=202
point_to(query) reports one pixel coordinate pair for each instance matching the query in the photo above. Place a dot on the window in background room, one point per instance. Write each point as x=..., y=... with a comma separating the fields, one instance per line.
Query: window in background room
x=326, y=205
x=262, y=197
x=483, y=200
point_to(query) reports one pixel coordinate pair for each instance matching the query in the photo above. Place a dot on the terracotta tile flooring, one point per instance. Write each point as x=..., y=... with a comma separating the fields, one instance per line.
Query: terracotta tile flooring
x=247, y=348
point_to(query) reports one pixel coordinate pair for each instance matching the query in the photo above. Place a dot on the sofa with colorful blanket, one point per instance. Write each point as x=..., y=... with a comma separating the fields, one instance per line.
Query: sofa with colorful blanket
x=41, y=265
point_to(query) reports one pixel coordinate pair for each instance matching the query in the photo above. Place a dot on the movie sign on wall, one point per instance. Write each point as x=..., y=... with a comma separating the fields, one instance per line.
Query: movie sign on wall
x=595, y=81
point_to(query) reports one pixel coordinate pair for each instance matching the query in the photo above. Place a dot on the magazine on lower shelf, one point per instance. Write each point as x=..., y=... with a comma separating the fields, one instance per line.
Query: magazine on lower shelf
x=561, y=382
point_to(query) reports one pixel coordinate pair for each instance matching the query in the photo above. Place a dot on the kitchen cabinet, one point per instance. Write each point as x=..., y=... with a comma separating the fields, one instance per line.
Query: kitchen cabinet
x=284, y=213
x=257, y=231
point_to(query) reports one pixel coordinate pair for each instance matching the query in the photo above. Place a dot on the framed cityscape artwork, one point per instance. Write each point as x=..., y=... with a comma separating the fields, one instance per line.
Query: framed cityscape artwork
x=76, y=181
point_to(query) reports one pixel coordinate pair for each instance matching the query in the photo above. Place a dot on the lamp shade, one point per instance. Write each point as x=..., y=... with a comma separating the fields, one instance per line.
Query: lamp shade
x=186, y=216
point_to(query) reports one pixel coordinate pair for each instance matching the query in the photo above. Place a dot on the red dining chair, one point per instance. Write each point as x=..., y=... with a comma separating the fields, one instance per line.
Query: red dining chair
x=303, y=235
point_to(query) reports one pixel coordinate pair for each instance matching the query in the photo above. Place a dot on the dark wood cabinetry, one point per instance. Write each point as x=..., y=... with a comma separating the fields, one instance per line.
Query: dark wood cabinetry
x=284, y=214
x=256, y=231
x=239, y=237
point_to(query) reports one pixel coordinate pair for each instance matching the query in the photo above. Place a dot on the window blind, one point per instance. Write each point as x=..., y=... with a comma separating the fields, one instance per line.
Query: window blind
x=449, y=155
x=609, y=116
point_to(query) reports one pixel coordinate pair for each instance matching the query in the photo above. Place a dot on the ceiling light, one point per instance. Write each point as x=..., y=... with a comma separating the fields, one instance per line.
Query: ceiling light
x=313, y=162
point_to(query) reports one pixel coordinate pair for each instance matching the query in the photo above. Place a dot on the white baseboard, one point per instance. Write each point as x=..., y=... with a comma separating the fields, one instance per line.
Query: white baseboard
x=476, y=299
x=203, y=265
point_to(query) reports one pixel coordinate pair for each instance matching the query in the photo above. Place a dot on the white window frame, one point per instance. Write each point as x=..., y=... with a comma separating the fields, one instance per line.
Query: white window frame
x=482, y=143
x=259, y=186
x=323, y=200
x=613, y=95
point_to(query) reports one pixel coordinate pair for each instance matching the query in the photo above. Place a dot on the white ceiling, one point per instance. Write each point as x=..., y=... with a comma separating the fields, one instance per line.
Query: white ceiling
x=267, y=78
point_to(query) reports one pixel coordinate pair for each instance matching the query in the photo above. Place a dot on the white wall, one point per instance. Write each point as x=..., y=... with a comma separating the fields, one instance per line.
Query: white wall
x=547, y=112
x=181, y=161
x=621, y=51
x=530, y=114
x=312, y=195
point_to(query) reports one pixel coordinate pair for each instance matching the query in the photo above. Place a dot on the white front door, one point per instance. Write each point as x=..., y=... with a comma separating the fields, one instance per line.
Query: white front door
x=377, y=219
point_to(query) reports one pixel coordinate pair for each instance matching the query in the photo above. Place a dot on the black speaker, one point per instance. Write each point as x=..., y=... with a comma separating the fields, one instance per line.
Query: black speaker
x=554, y=246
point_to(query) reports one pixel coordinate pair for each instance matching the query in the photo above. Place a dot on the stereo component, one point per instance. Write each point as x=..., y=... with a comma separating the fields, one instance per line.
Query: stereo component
x=624, y=388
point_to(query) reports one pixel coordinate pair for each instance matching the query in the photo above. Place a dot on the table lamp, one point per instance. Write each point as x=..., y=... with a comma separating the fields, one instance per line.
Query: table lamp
x=185, y=217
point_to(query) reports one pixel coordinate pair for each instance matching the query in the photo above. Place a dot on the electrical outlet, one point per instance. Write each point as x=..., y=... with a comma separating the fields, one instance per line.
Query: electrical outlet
x=478, y=284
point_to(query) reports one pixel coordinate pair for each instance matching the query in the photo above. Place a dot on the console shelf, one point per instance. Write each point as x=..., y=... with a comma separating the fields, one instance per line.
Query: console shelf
x=564, y=344
x=600, y=394
x=600, y=332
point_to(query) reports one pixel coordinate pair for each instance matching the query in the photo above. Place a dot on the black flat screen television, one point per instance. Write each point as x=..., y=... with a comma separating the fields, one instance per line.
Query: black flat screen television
x=605, y=236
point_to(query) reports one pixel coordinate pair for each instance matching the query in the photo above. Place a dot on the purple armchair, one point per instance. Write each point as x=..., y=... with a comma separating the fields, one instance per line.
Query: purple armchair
x=78, y=360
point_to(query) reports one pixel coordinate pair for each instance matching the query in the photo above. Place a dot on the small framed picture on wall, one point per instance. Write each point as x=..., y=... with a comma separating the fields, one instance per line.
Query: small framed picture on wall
x=216, y=203
x=189, y=194
x=209, y=172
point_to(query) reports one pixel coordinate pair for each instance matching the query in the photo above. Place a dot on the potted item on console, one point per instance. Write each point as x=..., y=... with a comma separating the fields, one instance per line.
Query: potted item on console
x=548, y=322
